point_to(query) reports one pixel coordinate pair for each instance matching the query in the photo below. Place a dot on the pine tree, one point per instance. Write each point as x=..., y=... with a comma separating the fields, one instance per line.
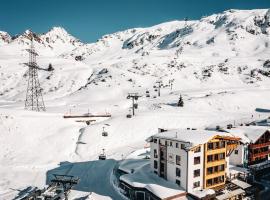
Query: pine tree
x=50, y=68
x=180, y=102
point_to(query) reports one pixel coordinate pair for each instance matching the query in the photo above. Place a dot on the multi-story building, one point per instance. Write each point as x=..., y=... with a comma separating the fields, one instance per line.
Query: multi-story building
x=254, y=146
x=193, y=159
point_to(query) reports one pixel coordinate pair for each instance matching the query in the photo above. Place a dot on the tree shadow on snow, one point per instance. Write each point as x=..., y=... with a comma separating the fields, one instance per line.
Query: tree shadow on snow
x=94, y=176
x=172, y=104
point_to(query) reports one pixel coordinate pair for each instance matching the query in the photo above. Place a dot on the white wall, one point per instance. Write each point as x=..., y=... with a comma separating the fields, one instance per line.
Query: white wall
x=192, y=167
x=172, y=151
x=237, y=159
x=152, y=147
x=171, y=164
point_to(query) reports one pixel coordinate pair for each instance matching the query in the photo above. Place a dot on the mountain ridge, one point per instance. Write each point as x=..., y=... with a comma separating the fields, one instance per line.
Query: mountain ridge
x=209, y=52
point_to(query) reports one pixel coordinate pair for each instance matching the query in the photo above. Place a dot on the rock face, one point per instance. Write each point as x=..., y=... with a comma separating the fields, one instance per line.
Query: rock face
x=56, y=41
x=5, y=38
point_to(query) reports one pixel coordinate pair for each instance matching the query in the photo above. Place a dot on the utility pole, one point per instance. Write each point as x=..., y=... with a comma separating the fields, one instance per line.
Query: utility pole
x=133, y=97
x=34, y=99
x=171, y=83
x=159, y=86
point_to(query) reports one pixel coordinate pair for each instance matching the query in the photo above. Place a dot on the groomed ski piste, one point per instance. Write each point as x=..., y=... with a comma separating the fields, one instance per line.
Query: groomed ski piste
x=218, y=65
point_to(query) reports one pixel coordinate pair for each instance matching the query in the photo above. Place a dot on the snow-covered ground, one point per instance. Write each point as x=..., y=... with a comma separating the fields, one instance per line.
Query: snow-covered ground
x=218, y=64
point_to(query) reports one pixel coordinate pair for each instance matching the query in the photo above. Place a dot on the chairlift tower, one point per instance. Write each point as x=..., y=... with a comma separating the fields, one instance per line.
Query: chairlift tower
x=34, y=99
x=159, y=86
x=133, y=96
x=171, y=83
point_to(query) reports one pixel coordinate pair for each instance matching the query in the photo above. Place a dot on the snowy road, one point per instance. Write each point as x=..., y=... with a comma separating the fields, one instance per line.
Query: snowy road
x=94, y=176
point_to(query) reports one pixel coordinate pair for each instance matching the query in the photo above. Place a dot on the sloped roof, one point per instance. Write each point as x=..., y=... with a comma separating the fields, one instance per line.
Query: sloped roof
x=194, y=137
x=248, y=134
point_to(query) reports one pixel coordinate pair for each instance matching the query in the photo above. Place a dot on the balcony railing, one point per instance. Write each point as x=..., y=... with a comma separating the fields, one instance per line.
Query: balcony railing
x=261, y=154
x=254, y=146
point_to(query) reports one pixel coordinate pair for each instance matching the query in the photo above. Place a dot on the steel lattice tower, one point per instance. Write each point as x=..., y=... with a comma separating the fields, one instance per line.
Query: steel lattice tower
x=34, y=99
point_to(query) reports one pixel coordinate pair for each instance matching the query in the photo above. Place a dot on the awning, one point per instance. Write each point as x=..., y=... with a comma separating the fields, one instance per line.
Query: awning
x=241, y=184
x=230, y=194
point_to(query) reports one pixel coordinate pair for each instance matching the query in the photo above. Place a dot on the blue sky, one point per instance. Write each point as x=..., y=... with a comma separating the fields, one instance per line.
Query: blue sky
x=88, y=20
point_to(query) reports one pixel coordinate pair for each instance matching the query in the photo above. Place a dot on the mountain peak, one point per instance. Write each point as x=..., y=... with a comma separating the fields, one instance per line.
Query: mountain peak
x=4, y=37
x=57, y=30
x=59, y=35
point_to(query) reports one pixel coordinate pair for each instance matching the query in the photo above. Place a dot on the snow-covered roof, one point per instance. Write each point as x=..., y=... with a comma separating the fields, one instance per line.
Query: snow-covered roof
x=230, y=194
x=135, y=160
x=130, y=165
x=248, y=134
x=236, y=170
x=202, y=193
x=145, y=178
x=241, y=184
x=194, y=137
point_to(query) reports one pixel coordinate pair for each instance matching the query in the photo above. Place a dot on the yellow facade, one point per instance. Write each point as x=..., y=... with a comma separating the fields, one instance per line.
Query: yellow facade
x=216, y=151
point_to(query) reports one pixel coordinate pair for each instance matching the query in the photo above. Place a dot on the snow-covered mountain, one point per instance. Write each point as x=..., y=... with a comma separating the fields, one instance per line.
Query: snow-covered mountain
x=211, y=50
x=219, y=64
x=53, y=43
x=4, y=38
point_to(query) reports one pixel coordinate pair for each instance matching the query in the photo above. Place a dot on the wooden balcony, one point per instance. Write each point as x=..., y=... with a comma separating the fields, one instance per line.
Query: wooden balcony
x=261, y=154
x=255, y=146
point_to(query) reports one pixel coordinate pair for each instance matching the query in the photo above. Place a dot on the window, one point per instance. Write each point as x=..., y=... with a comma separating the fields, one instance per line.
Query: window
x=197, y=160
x=198, y=149
x=216, y=157
x=155, y=153
x=215, y=180
x=221, y=167
x=155, y=140
x=196, y=184
x=171, y=144
x=196, y=173
x=166, y=143
x=236, y=152
x=177, y=182
x=222, y=156
x=222, y=144
x=177, y=172
x=210, y=170
x=140, y=195
x=155, y=164
x=215, y=145
x=209, y=158
x=162, y=156
x=182, y=146
x=209, y=182
x=176, y=145
x=210, y=146
x=178, y=160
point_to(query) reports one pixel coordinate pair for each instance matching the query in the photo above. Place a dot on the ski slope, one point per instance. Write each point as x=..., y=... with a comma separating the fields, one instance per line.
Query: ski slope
x=218, y=64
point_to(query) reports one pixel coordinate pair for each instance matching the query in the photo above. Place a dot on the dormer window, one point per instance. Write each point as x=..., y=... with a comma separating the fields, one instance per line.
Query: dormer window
x=182, y=146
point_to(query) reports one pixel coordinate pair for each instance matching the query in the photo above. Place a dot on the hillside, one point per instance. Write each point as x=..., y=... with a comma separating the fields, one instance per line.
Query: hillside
x=219, y=64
